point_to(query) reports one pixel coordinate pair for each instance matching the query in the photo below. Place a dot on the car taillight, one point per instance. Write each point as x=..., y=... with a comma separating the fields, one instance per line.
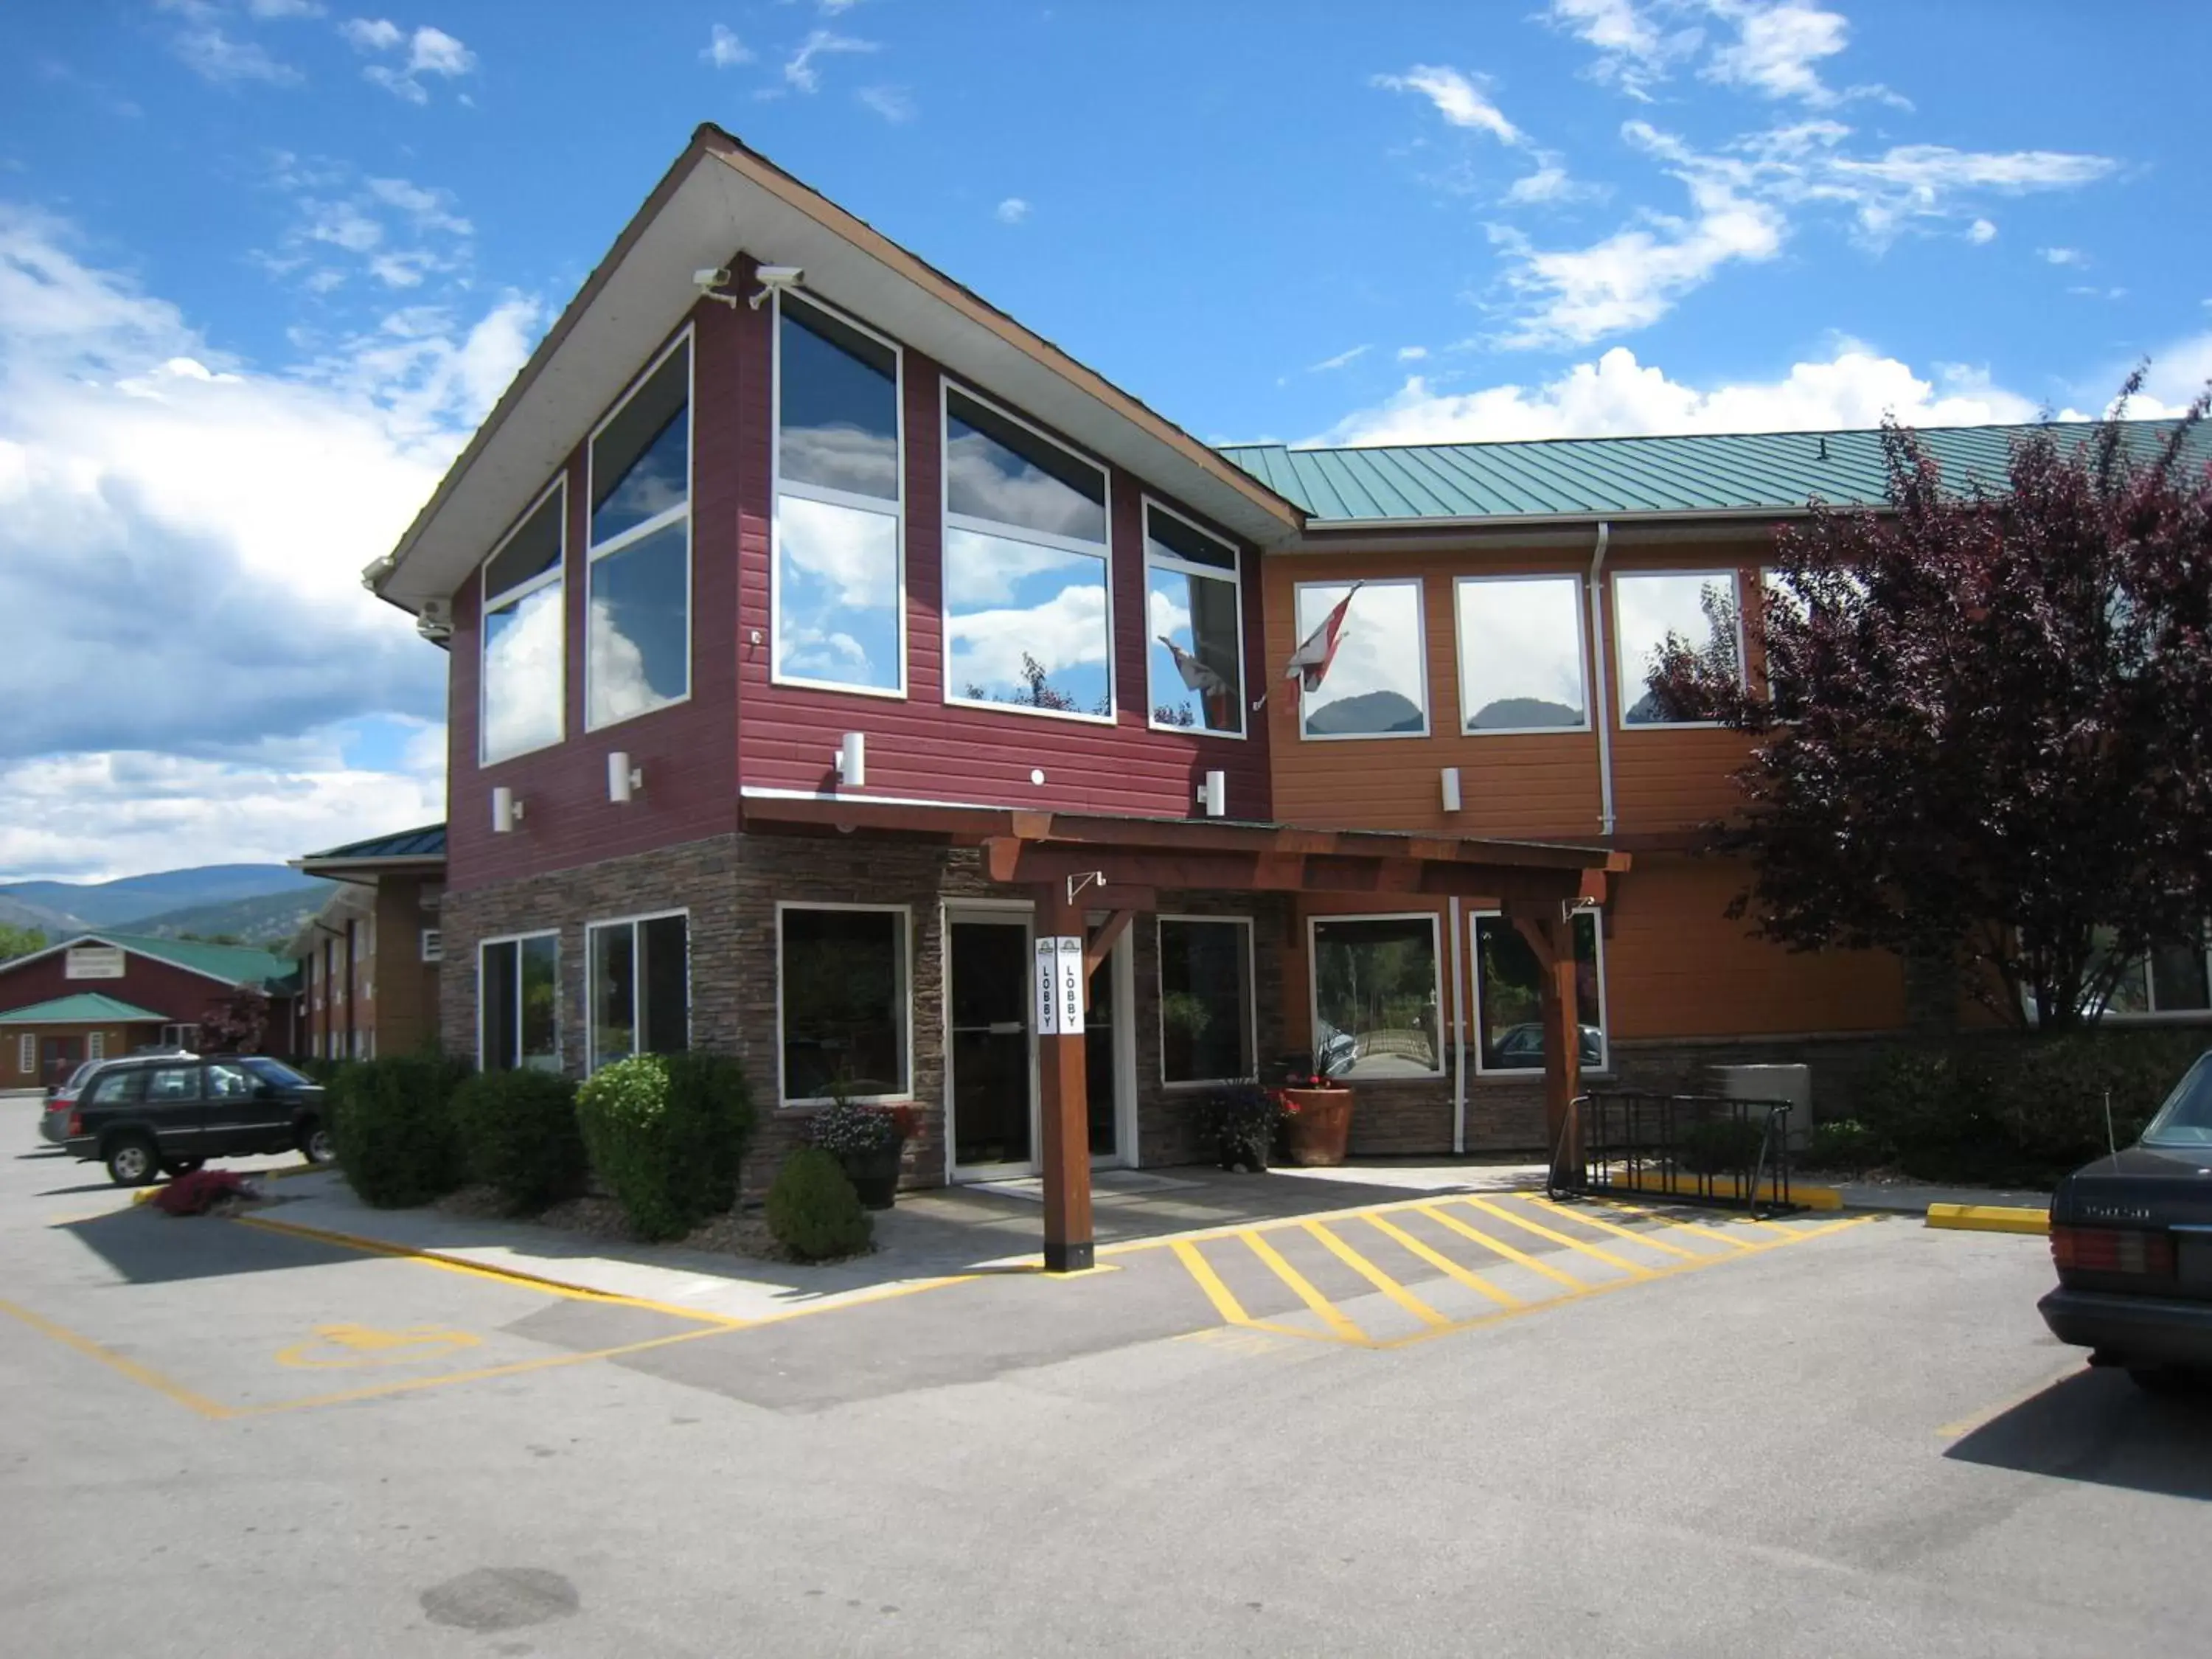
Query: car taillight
x=2112, y=1250
x=75, y=1124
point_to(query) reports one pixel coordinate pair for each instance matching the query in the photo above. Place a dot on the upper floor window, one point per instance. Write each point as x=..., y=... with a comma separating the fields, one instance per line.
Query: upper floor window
x=1375, y=685
x=1028, y=614
x=1520, y=654
x=522, y=683
x=839, y=584
x=1696, y=606
x=2174, y=979
x=1192, y=625
x=637, y=651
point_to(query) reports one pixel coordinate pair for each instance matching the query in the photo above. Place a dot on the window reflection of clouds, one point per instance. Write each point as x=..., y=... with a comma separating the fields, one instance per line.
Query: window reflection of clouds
x=522, y=674
x=640, y=626
x=1375, y=685
x=1055, y=613
x=1520, y=654
x=998, y=470
x=1199, y=615
x=1648, y=607
x=640, y=460
x=837, y=596
x=839, y=405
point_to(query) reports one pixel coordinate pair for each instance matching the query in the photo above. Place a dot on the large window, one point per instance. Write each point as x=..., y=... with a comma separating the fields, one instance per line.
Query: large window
x=1377, y=1013
x=525, y=636
x=1028, y=618
x=519, y=991
x=1194, y=628
x=842, y=993
x=637, y=650
x=1509, y=995
x=1520, y=654
x=1377, y=683
x=638, y=992
x=1697, y=607
x=1206, y=999
x=2174, y=979
x=839, y=607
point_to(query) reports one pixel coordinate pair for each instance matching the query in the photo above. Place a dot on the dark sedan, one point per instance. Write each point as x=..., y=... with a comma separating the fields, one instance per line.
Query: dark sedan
x=2131, y=1236
x=167, y=1113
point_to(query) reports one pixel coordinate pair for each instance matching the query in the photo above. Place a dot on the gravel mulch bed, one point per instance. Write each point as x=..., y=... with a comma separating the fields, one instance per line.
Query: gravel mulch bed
x=737, y=1235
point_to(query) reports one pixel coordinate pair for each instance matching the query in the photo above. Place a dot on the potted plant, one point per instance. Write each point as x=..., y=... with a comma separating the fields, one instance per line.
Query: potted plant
x=1318, y=1121
x=868, y=1141
x=1240, y=1121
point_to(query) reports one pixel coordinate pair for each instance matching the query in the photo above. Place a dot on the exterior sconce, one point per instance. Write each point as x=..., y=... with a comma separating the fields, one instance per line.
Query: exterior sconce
x=853, y=761
x=1451, y=788
x=623, y=780
x=1214, y=794
x=505, y=811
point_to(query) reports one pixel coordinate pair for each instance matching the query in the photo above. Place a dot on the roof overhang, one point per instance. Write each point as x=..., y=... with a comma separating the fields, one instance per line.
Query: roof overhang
x=719, y=197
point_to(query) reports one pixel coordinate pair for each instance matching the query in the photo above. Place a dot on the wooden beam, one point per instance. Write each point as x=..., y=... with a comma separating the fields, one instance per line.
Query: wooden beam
x=1064, y=1112
x=1102, y=942
x=1550, y=934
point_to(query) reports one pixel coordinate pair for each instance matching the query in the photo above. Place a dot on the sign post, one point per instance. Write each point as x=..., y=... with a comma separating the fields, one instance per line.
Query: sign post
x=1064, y=1103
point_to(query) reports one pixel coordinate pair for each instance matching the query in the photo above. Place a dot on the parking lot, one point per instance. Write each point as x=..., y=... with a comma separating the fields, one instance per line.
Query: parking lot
x=1424, y=1424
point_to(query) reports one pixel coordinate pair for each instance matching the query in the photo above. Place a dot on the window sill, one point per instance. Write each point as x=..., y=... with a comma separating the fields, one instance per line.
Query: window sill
x=1031, y=712
x=1533, y=1075
x=1195, y=732
x=591, y=727
x=894, y=694
x=808, y=1108
x=1305, y=736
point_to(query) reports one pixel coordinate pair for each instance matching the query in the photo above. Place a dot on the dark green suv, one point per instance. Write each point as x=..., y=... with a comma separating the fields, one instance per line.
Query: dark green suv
x=166, y=1114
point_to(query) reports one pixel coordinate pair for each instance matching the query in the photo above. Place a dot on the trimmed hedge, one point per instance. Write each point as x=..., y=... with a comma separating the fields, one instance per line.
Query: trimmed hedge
x=813, y=1211
x=666, y=1134
x=518, y=1136
x=2010, y=1111
x=393, y=1123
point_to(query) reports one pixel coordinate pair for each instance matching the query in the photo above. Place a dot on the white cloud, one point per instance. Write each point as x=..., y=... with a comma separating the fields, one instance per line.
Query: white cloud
x=367, y=220
x=1776, y=47
x=429, y=208
x=1457, y=98
x=205, y=49
x=1981, y=231
x=2062, y=256
x=429, y=51
x=436, y=52
x=1342, y=359
x=274, y=8
x=1548, y=183
x=1067, y=630
x=1013, y=211
x=724, y=50
x=892, y=103
x=367, y=34
x=800, y=72
x=1633, y=52
x=1412, y=354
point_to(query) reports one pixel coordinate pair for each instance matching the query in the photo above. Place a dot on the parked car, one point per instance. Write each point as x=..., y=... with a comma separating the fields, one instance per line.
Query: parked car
x=61, y=1101
x=166, y=1114
x=2131, y=1238
x=1522, y=1046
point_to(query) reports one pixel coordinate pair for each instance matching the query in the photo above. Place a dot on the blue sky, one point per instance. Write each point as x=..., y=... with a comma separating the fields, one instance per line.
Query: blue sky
x=264, y=263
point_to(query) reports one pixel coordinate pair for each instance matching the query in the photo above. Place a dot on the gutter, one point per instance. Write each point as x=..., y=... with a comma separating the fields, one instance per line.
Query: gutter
x=1600, y=656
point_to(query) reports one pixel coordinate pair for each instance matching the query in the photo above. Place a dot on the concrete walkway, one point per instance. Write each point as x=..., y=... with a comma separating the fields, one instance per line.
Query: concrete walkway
x=1913, y=1197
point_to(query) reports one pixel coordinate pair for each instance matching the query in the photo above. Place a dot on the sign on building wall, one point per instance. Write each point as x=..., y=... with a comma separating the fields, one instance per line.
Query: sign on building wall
x=1059, y=986
x=93, y=962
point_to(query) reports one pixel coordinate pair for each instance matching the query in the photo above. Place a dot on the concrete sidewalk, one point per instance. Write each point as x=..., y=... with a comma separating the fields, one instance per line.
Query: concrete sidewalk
x=1913, y=1197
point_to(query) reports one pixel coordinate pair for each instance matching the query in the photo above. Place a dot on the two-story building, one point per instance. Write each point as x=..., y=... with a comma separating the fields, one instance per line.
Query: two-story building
x=369, y=957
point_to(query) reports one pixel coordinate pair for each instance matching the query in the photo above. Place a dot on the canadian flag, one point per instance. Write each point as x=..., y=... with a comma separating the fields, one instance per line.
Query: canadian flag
x=1308, y=664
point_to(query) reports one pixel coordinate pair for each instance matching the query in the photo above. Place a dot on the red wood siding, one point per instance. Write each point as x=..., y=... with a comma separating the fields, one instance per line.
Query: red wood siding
x=178, y=995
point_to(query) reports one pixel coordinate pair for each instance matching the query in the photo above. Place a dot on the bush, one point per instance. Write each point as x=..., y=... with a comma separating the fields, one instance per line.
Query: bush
x=812, y=1209
x=666, y=1134
x=1239, y=1124
x=393, y=1123
x=1846, y=1145
x=1722, y=1146
x=519, y=1135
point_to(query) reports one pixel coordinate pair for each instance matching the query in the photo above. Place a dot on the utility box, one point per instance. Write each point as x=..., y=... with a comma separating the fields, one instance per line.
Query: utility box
x=1791, y=1082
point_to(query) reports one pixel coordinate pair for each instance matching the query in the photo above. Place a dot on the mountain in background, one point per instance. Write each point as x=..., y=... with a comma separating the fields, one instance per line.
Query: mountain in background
x=58, y=909
x=268, y=919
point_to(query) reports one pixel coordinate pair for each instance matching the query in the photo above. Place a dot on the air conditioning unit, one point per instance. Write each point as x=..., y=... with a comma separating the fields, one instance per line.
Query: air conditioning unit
x=435, y=620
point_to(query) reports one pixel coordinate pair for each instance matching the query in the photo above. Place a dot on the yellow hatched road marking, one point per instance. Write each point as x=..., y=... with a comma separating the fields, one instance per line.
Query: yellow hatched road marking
x=1634, y=1268
x=1375, y=1276
x=1670, y=1221
x=1504, y=1249
x=1566, y=1214
x=1224, y=1299
x=1443, y=1264
x=1330, y=1313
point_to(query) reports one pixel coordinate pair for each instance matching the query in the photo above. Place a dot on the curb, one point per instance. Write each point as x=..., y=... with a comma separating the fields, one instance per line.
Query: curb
x=1812, y=1198
x=1989, y=1218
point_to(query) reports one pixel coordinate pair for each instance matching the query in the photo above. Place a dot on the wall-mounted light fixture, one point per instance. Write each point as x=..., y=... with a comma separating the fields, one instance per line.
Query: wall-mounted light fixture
x=505, y=811
x=853, y=761
x=1214, y=794
x=623, y=780
x=1451, y=788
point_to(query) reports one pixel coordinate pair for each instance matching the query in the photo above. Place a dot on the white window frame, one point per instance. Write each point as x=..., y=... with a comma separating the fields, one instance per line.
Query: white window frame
x=26, y=1054
x=180, y=1035
x=2152, y=1015
x=1420, y=585
x=433, y=944
x=1146, y=506
x=1621, y=678
x=559, y=1001
x=949, y=521
x=680, y=341
x=1604, y=1067
x=592, y=1060
x=487, y=601
x=778, y=489
x=1251, y=1001
x=905, y=914
x=1436, y=961
x=1581, y=609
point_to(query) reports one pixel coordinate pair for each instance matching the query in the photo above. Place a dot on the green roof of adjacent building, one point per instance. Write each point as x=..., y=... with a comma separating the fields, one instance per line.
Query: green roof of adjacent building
x=240, y=964
x=427, y=842
x=1633, y=477
x=85, y=1008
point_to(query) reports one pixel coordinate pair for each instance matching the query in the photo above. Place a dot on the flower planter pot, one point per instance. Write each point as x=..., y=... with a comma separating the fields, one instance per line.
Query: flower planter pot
x=1317, y=1134
x=874, y=1174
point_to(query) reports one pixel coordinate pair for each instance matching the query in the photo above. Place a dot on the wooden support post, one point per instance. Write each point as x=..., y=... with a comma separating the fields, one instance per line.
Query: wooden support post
x=1550, y=933
x=1063, y=1094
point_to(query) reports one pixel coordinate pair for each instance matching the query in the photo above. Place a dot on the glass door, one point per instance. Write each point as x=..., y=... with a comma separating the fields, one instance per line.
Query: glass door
x=990, y=1092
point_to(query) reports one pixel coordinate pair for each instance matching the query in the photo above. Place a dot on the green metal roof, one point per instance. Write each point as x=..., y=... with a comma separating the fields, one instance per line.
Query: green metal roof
x=427, y=842
x=1627, y=477
x=85, y=1008
x=239, y=965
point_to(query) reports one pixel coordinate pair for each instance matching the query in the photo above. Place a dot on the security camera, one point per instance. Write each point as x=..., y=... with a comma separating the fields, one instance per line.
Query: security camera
x=713, y=279
x=773, y=277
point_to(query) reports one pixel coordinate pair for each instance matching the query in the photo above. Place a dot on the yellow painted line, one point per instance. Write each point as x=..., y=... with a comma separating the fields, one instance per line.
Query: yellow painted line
x=1278, y=1223
x=1503, y=1249
x=1989, y=1218
x=144, y=1376
x=1443, y=1264
x=1331, y=1315
x=1596, y=1253
x=1375, y=1276
x=1686, y=1226
x=1224, y=1299
x=1629, y=1233
x=1686, y=1186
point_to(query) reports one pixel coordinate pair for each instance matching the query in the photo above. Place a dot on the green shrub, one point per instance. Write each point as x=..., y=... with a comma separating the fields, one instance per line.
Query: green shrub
x=1846, y=1144
x=812, y=1209
x=519, y=1135
x=393, y=1123
x=1722, y=1145
x=666, y=1134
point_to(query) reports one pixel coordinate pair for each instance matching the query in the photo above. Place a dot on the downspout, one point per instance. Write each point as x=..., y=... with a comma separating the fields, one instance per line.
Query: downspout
x=1600, y=657
x=1459, y=1038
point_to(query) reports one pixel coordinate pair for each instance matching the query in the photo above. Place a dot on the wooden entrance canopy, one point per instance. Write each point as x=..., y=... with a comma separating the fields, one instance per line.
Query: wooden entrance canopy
x=1070, y=863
